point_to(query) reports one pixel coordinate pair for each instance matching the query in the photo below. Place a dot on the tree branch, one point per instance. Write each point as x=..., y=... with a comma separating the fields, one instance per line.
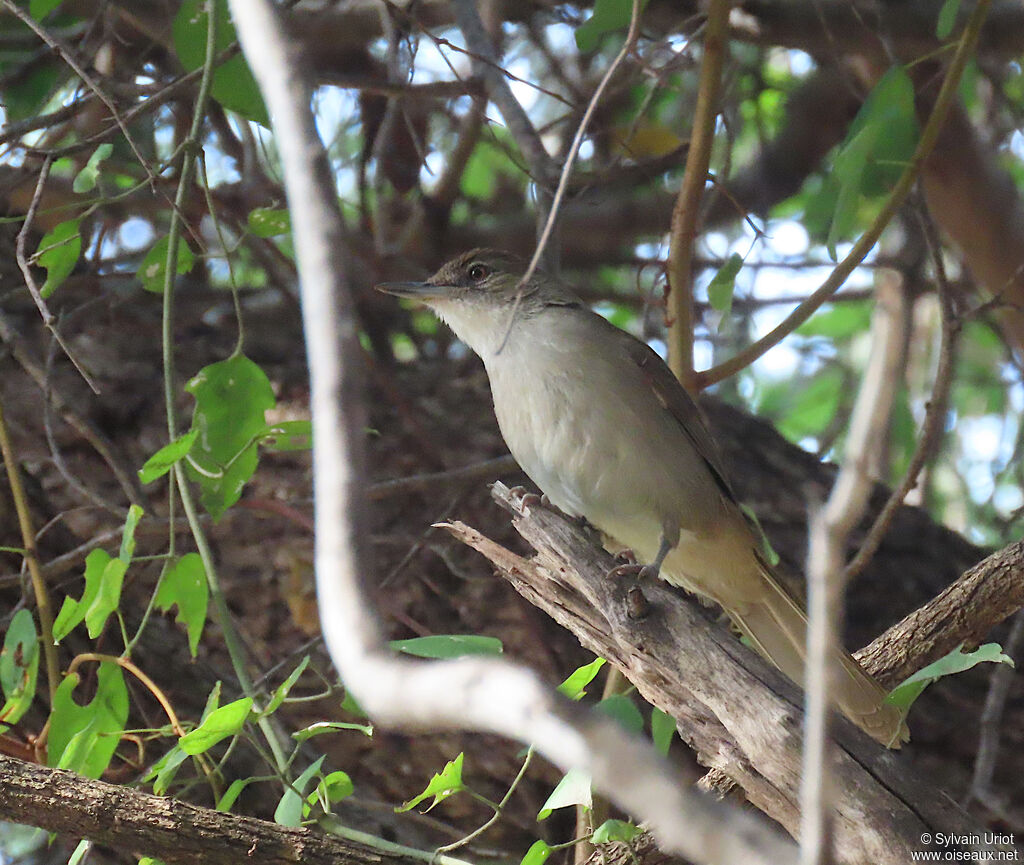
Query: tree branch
x=963, y=613
x=686, y=213
x=696, y=671
x=175, y=832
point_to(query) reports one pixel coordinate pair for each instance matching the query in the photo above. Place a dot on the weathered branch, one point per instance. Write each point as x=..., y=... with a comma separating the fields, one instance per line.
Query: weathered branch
x=172, y=831
x=695, y=670
x=965, y=612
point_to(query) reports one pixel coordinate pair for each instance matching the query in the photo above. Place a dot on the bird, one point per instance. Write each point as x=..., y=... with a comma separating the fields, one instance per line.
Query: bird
x=598, y=421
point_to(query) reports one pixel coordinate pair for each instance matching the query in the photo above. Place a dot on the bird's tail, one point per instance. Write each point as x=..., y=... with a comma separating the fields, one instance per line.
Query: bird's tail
x=777, y=627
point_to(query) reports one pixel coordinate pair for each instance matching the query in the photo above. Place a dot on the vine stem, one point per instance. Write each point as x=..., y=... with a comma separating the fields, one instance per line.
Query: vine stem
x=28, y=540
x=188, y=163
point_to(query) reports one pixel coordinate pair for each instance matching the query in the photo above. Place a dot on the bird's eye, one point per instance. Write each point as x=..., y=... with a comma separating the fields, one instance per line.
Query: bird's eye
x=478, y=272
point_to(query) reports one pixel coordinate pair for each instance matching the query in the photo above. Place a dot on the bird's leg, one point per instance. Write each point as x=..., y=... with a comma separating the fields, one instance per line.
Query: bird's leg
x=651, y=571
x=643, y=572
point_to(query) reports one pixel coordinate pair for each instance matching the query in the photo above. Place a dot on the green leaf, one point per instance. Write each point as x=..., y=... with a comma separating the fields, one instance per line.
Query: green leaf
x=609, y=16
x=723, y=284
x=488, y=164
x=83, y=738
x=162, y=461
x=26, y=95
x=108, y=596
x=233, y=84
x=163, y=771
x=622, y=709
x=39, y=9
x=809, y=410
x=227, y=801
x=86, y=179
x=231, y=399
x=614, y=830
x=351, y=705
x=218, y=725
x=19, y=667
x=907, y=691
x=442, y=785
x=101, y=571
x=83, y=847
x=449, y=646
x=58, y=252
x=128, y=535
x=849, y=170
x=663, y=729
x=269, y=221
x=575, y=686
x=153, y=269
x=573, y=789
x=947, y=19
x=282, y=690
x=332, y=788
x=184, y=584
x=839, y=322
x=289, y=809
x=289, y=435
x=878, y=145
x=321, y=727
x=537, y=854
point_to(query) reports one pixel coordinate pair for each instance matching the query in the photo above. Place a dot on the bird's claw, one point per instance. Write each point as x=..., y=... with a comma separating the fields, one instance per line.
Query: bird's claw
x=528, y=499
x=634, y=569
x=637, y=605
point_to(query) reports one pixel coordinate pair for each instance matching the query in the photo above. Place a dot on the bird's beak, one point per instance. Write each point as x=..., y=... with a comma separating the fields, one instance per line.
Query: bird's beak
x=414, y=290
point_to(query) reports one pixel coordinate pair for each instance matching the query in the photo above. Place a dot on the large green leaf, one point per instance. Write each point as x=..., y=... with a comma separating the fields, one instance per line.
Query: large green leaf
x=58, y=252
x=103, y=578
x=184, y=585
x=907, y=691
x=231, y=398
x=19, y=667
x=233, y=84
x=442, y=785
x=83, y=738
x=608, y=17
x=448, y=646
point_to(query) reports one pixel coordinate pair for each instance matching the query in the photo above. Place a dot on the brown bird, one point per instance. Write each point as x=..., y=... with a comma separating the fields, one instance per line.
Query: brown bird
x=603, y=427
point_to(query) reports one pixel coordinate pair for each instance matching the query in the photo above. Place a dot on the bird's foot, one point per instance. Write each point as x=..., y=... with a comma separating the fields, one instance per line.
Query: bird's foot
x=528, y=499
x=630, y=567
x=637, y=605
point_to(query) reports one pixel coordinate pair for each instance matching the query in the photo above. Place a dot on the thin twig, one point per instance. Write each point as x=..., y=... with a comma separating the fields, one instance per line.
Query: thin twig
x=563, y=181
x=864, y=244
x=686, y=212
x=68, y=57
x=934, y=414
x=495, y=80
x=185, y=179
x=127, y=479
x=28, y=542
x=990, y=723
x=26, y=271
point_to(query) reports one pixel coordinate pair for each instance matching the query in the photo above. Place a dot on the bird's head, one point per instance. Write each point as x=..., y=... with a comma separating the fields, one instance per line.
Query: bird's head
x=476, y=293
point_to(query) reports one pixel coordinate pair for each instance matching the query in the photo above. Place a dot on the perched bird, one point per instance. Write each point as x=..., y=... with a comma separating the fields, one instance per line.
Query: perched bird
x=601, y=425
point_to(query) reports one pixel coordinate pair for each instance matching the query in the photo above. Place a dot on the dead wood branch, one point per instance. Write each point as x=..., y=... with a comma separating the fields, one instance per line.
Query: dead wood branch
x=695, y=670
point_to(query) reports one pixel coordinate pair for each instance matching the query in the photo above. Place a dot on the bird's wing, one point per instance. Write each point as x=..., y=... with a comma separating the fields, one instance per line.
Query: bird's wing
x=673, y=396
